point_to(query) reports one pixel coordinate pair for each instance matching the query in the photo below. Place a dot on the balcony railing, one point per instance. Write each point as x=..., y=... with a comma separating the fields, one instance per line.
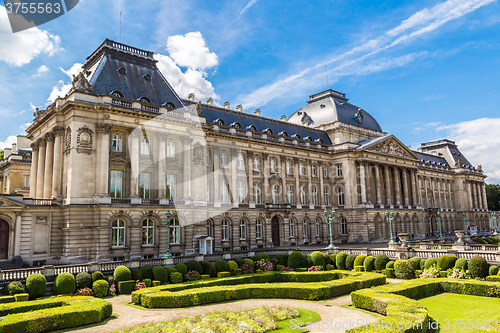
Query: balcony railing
x=120, y=201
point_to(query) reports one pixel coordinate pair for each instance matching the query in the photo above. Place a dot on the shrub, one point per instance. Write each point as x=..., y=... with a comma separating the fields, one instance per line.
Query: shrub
x=160, y=274
x=22, y=297
x=275, y=262
x=359, y=260
x=110, y=279
x=250, y=261
x=112, y=290
x=181, y=268
x=64, y=284
x=284, y=259
x=478, y=267
x=84, y=292
x=156, y=283
x=461, y=264
x=381, y=261
x=294, y=260
x=238, y=271
x=358, y=268
x=264, y=266
x=333, y=258
x=122, y=273
x=214, y=270
x=446, y=262
x=100, y=288
x=222, y=266
x=232, y=265
x=415, y=261
x=223, y=274
x=340, y=260
x=169, y=271
x=306, y=261
x=207, y=267
x=422, y=265
x=193, y=276
x=318, y=259
x=349, y=262
x=404, y=269
x=328, y=260
x=369, y=264
x=136, y=274
x=126, y=287
x=329, y=267
x=389, y=272
x=431, y=272
x=488, y=278
x=314, y=269
x=205, y=277
x=493, y=270
x=36, y=285
x=83, y=280
x=193, y=265
x=97, y=275
x=247, y=268
x=239, y=262
x=263, y=256
x=15, y=287
x=390, y=264
x=147, y=272
x=284, y=269
x=176, y=277
x=140, y=285
x=147, y=282
x=430, y=262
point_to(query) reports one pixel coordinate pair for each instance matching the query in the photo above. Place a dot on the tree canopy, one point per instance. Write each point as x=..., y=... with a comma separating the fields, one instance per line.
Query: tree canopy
x=493, y=196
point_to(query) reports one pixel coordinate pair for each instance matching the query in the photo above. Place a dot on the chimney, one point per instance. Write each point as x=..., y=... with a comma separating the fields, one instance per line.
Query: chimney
x=210, y=101
x=239, y=108
x=7, y=152
x=14, y=148
x=257, y=112
x=191, y=97
x=227, y=105
x=283, y=118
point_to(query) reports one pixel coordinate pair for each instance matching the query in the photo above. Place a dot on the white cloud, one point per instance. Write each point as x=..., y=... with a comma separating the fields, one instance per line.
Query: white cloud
x=25, y=126
x=417, y=25
x=20, y=48
x=190, y=51
x=62, y=88
x=40, y=71
x=248, y=6
x=8, y=143
x=479, y=141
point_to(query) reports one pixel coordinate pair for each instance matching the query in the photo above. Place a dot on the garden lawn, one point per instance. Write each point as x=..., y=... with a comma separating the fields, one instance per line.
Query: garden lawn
x=455, y=306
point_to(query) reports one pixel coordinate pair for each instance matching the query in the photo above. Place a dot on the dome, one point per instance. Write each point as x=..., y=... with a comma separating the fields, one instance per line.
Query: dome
x=330, y=106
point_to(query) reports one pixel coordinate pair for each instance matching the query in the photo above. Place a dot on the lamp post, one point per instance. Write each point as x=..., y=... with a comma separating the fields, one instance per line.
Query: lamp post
x=389, y=217
x=330, y=219
x=168, y=254
x=495, y=223
x=439, y=224
x=465, y=226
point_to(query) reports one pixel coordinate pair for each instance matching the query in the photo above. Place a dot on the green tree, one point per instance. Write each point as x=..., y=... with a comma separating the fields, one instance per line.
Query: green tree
x=1, y=154
x=493, y=196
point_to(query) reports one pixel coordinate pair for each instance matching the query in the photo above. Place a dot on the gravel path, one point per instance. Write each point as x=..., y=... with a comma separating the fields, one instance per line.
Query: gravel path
x=334, y=318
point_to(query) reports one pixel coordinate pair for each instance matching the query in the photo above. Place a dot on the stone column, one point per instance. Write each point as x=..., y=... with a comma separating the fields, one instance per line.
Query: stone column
x=368, y=177
x=58, y=161
x=479, y=194
x=309, y=182
x=283, y=179
x=17, y=235
x=34, y=169
x=297, y=180
x=49, y=163
x=251, y=194
x=414, y=184
x=40, y=169
x=485, y=199
x=362, y=181
x=405, y=187
x=134, y=161
x=234, y=175
x=388, y=192
x=217, y=174
x=397, y=185
x=470, y=195
x=103, y=143
x=378, y=184
x=265, y=162
x=162, y=177
x=321, y=185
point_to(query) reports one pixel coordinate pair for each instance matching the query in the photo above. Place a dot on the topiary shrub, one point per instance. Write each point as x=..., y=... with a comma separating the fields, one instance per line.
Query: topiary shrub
x=110, y=279
x=22, y=297
x=160, y=274
x=97, y=275
x=64, y=284
x=415, y=261
x=369, y=264
x=83, y=280
x=389, y=272
x=263, y=256
x=461, y=264
x=340, y=260
x=381, y=261
x=358, y=268
x=430, y=262
x=478, y=267
x=122, y=273
x=222, y=266
x=136, y=274
x=176, y=277
x=446, y=262
x=349, y=262
x=193, y=276
x=330, y=267
x=193, y=265
x=126, y=287
x=360, y=259
x=333, y=259
x=249, y=261
x=207, y=267
x=247, y=268
x=147, y=272
x=214, y=270
x=422, y=265
x=318, y=259
x=404, y=269
x=36, y=285
x=223, y=274
x=284, y=260
x=232, y=265
x=389, y=264
x=181, y=268
x=100, y=288
x=205, y=277
x=493, y=270
x=15, y=287
x=169, y=271
x=156, y=283
x=239, y=262
x=306, y=261
x=294, y=260
x=147, y=282
x=328, y=260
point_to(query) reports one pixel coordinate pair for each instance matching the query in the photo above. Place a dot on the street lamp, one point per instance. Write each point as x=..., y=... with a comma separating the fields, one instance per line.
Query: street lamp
x=465, y=226
x=168, y=254
x=330, y=219
x=495, y=223
x=439, y=223
x=389, y=217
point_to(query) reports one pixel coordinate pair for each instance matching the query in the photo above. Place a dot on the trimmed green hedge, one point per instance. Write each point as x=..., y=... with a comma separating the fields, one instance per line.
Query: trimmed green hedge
x=36, y=285
x=65, y=284
x=126, y=287
x=359, y=260
x=493, y=278
x=53, y=314
x=160, y=274
x=122, y=273
x=330, y=284
x=369, y=264
x=22, y=297
x=7, y=299
x=349, y=262
x=381, y=261
x=223, y=274
x=340, y=260
x=318, y=259
x=446, y=262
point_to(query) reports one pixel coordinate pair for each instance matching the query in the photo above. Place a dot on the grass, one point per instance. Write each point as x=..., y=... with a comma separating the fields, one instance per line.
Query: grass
x=443, y=308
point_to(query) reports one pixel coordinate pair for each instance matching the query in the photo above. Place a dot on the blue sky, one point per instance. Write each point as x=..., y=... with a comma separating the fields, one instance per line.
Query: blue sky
x=423, y=69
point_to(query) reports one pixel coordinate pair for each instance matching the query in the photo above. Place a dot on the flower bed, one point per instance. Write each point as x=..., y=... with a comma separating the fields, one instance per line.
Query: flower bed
x=53, y=314
x=308, y=285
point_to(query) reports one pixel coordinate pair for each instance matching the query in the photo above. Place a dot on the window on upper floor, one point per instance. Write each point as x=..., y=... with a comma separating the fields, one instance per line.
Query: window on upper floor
x=115, y=188
x=258, y=193
x=223, y=160
x=256, y=163
x=325, y=172
x=240, y=162
x=302, y=169
x=315, y=195
x=340, y=173
x=313, y=170
x=145, y=146
x=170, y=149
x=273, y=165
x=175, y=231
x=171, y=188
x=144, y=185
x=289, y=167
x=117, y=143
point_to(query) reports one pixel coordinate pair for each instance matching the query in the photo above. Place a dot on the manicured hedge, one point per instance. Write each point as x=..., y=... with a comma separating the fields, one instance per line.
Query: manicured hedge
x=15, y=287
x=160, y=274
x=36, y=285
x=381, y=261
x=53, y=314
x=446, y=262
x=461, y=263
x=478, y=267
x=136, y=274
x=359, y=260
x=493, y=270
x=156, y=283
x=349, y=262
x=223, y=274
x=181, y=268
x=369, y=264
x=147, y=272
x=318, y=259
x=176, y=277
x=193, y=265
x=83, y=280
x=255, y=286
x=7, y=299
x=207, y=267
x=97, y=275
x=126, y=287
x=21, y=297
x=100, y=288
x=221, y=265
x=340, y=260
x=122, y=273
x=430, y=262
x=404, y=269
x=333, y=259
x=493, y=278
x=64, y=284
x=415, y=261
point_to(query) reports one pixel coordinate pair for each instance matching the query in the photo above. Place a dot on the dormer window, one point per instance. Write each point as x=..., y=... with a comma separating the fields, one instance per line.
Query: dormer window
x=147, y=77
x=267, y=131
x=145, y=100
x=122, y=71
x=219, y=122
x=252, y=128
x=284, y=134
x=318, y=141
x=236, y=125
x=296, y=136
x=117, y=93
x=308, y=138
x=170, y=105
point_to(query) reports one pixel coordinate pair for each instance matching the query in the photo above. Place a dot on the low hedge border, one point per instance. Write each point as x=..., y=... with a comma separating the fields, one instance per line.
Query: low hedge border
x=310, y=286
x=53, y=314
x=399, y=301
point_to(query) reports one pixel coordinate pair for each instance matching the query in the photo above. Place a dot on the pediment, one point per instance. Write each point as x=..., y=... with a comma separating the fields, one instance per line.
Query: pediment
x=391, y=146
x=173, y=164
x=118, y=160
x=9, y=203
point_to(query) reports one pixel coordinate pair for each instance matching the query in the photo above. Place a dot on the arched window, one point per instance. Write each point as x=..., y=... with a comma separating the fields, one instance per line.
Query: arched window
x=219, y=122
x=296, y=136
x=267, y=131
x=318, y=141
x=145, y=100
x=292, y=228
x=340, y=195
x=170, y=105
x=343, y=226
x=252, y=128
x=243, y=230
x=283, y=134
x=117, y=93
x=118, y=233
x=308, y=138
x=148, y=232
x=175, y=232
x=258, y=229
x=316, y=228
x=225, y=230
x=305, y=228
x=236, y=125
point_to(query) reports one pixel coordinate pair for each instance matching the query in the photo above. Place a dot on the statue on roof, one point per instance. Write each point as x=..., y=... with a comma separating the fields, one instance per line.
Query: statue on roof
x=81, y=84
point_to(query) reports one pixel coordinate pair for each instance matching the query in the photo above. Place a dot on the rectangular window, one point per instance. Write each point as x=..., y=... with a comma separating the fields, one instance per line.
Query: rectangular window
x=258, y=193
x=241, y=192
x=117, y=143
x=273, y=165
x=256, y=163
x=241, y=162
x=302, y=196
x=341, y=196
x=243, y=230
x=302, y=169
x=118, y=233
x=289, y=194
x=258, y=229
x=326, y=195
x=144, y=185
x=223, y=160
x=304, y=228
x=275, y=191
x=223, y=192
x=315, y=196
x=144, y=146
x=292, y=228
x=313, y=170
x=325, y=172
x=171, y=192
x=115, y=188
x=225, y=230
x=343, y=227
x=148, y=232
x=27, y=181
x=170, y=149
x=289, y=167
x=339, y=170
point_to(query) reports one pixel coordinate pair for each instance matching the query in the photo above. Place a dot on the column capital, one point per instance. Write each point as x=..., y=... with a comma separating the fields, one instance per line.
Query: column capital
x=42, y=142
x=265, y=156
x=135, y=134
x=49, y=137
x=35, y=146
x=58, y=130
x=187, y=139
x=103, y=128
x=162, y=136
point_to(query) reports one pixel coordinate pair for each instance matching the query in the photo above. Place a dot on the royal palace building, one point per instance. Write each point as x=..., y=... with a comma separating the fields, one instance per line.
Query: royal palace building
x=122, y=149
